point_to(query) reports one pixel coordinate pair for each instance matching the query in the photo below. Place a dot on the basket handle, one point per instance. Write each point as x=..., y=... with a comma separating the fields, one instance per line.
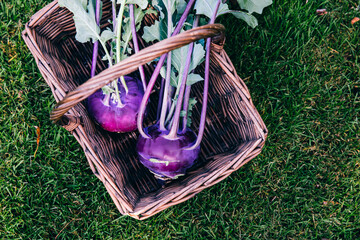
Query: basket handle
x=131, y=64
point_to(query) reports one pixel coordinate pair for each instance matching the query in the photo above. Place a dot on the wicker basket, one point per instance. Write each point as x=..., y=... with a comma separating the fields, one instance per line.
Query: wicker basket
x=234, y=134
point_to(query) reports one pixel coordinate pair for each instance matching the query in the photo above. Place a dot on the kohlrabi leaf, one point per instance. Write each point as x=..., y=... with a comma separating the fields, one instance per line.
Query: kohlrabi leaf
x=141, y=3
x=193, y=78
x=163, y=71
x=139, y=15
x=152, y=32
x=157, y=31
x=173, y=79
x=179, y=5
x=159, y=6
x=198, y=56
x=84, y=3
x=85, y=22
x=207, y=7
x=107, y=34
x=123, y=54
x=247, y=17
x=127, y=34
x=192, y=102
x=178, y=58
x=254, y=5
x=176, y=7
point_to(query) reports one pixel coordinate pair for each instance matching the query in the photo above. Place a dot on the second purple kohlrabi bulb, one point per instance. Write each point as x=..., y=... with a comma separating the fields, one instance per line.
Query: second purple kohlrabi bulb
x=167, y=157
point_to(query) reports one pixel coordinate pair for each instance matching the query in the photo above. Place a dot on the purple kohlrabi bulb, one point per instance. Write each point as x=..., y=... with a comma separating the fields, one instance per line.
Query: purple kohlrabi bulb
x=111, y=115
x=167, y=157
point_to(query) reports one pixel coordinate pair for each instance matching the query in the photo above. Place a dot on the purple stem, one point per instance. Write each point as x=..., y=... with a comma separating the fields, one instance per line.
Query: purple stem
x=166, y=101
x=175, y=125
x=114, y=13
x=187, y=97
x=172, y=92
x=136, y=43
x=176, y=118
x=161, y=97
x=96, y=44
x=206, y=84
x=157, y=71
x=186, y=107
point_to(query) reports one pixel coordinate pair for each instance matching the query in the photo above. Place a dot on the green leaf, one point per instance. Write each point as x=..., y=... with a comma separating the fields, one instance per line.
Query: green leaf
x=159, y=6
x=157, y=31
x=181, y=6
x=152, y=32
x=178, y=57
x=127, y=33
x=192, y=102
x=173, y=79
x=176, y=8
x=178, y=5
x=84, y=3
x=141, y=3
x=207, y=7
x=107, y=34
x=254, y=5
x=198, y=56
x=138, y=16
x=85, y=23
x=163, y=72
x=247, y=17
x=193, y=78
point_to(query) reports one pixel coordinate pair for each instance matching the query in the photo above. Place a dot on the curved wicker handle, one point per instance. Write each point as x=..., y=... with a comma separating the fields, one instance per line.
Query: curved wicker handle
x=131, y=64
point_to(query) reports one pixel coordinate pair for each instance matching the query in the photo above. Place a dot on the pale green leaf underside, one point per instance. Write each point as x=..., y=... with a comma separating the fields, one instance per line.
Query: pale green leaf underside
x=247, y=17
x=173, y=79
x=207, y=7
x=141, y=3
x=179, y=57
x=254, y=5
x=157, y=31
x=106, y=35
x=197, y=56
x=192, y=102
x=193, y=78
x=86, y=27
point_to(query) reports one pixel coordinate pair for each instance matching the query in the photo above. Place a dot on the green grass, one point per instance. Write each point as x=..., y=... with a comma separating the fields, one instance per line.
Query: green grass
x=303, y=72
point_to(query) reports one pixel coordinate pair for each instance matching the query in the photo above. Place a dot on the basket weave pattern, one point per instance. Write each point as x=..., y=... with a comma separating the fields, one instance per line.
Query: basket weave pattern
x=234, y=133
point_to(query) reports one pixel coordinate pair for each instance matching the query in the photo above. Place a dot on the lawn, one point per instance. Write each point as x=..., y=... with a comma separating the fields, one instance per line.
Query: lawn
x=303, y=72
